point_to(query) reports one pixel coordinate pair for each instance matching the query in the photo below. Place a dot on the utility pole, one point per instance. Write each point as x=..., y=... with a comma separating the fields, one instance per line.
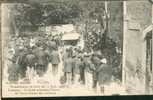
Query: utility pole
x=107, y=17
x=105, y=22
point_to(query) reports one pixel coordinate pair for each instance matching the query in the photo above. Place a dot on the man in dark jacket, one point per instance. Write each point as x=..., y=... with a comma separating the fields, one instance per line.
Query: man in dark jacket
x=52, y=45
x=96, y=61
x=68, y=70
x=42, y=61
x=21, y=62
x=55, y=60
x=78, y=65
x=89, y=67
x=13, y=68
x=65, y=55
x=30, y=59
x=82, y=68
x=104, y=75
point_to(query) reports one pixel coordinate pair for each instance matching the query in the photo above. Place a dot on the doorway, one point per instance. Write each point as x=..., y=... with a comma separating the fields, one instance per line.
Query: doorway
x=149, y=68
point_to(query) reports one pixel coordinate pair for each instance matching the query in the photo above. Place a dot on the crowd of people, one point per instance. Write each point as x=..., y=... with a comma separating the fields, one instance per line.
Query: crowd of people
x=88, y=68
x=34, y=53
x=79, y=66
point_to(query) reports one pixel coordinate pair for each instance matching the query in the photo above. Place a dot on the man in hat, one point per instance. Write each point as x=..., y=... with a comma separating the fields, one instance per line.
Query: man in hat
x=96, y=61
x=68, y=69
x=104, y=75
x=65, y=54
x=55, y=60
x=52, y=45
x=42, y=60
x=73, y=66
x=32, y=42
x=82, y=68
x=89, y=66
x=21, y=62
x=31, y=61
x=78, y=65
x=13, y=68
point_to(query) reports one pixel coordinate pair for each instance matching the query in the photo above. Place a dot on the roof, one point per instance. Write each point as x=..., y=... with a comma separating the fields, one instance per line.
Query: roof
x=147, y=30
x=71, y=36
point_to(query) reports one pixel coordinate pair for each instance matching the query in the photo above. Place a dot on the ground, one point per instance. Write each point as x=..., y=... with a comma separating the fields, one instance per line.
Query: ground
x=57, y=89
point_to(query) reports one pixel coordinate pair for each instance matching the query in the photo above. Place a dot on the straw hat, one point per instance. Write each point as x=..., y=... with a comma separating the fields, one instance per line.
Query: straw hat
x=86, y=54
x=104, y=60
x=21, y=47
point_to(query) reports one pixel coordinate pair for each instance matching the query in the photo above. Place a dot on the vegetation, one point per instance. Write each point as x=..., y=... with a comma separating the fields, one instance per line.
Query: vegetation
x=92, y=15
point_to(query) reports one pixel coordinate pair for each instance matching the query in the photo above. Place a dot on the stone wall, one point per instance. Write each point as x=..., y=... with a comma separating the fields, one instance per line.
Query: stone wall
x=137, y=16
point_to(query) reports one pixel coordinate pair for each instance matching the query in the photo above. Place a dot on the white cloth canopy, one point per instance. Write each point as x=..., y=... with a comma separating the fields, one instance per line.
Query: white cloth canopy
x=71, y=36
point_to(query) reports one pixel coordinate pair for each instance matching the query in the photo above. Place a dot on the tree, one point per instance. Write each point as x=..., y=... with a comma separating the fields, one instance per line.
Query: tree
x=61, y=13
x=26, y=15
x=36, y=14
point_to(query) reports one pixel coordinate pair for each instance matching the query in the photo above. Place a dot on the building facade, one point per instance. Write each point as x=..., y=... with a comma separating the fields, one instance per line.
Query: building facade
x=137, y=46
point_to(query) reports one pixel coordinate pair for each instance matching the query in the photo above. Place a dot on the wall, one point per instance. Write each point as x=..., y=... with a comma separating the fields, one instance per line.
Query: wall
x=137, y=16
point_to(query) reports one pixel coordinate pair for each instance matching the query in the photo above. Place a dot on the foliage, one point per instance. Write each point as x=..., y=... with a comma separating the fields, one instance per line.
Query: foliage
x=38, y=14
x=92, y=14
x=89, y=13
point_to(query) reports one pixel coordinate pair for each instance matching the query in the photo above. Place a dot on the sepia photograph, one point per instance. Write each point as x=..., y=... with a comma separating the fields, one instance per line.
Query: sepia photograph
x=56, y=48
